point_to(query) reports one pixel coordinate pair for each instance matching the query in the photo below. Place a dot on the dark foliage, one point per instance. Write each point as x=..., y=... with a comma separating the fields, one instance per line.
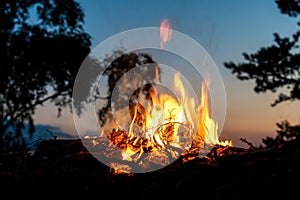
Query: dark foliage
x=289, y=7
x=275, y=67
x=119, y=64
x=286, y=132
x=41, y=48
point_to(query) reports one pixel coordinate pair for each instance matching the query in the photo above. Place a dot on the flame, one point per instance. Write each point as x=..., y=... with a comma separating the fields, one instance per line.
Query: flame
x=207, y=125
x=161, y=119
x=167, y=121
x=165, y=32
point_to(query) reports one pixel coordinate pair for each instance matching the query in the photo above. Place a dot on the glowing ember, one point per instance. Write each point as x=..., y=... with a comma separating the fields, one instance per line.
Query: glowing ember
x=165, y=32
x=164, y=126
x=167, y=122
x=164, y=121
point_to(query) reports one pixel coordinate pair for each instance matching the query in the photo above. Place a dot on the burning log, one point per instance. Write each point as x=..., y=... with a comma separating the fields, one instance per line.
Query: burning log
x=162, y=131
x=126, y=152
x=162, y=125
x=233, y=172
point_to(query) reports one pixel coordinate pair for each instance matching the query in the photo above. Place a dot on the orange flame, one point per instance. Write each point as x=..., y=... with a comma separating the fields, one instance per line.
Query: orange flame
x=165, y=32
x=164, y=117
x=165, y=120
x=207, y=125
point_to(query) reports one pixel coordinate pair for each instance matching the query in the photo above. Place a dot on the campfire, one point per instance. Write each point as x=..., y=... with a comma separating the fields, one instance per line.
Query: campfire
x=163, y=126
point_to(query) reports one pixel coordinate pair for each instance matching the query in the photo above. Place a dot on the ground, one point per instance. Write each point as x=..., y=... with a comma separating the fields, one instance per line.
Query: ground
x=232, y=174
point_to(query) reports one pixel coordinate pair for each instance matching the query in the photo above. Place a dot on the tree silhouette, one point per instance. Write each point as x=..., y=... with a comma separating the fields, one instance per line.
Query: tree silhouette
x=41, y=48
x=275, y=67
x=119, y=63
x=286, y=132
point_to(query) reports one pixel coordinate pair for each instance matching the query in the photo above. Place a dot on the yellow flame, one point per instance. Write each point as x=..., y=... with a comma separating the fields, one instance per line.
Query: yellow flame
x=166, y=114
x=207, y=125
x=162, y=117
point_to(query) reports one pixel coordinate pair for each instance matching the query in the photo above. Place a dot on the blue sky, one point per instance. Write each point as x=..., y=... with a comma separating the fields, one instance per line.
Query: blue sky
x=225, y=29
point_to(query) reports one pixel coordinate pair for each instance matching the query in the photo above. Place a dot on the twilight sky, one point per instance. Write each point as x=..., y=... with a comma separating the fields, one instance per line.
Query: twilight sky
x=225, y=29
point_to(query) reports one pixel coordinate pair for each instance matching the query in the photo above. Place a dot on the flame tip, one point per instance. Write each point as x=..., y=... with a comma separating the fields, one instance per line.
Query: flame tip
x=165, y=32
x=156, y=123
